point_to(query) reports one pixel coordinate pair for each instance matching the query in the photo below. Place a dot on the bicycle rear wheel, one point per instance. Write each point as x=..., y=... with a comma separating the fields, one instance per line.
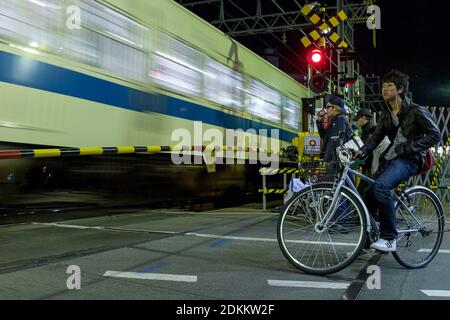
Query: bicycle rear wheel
x=330, y=249
x=417, y=248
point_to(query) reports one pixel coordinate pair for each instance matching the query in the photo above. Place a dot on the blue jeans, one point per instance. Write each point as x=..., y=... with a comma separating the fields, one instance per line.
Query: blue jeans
x=379, y=195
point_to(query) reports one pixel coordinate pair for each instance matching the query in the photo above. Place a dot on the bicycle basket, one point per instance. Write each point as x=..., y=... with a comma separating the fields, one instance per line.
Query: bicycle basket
x=316, y=171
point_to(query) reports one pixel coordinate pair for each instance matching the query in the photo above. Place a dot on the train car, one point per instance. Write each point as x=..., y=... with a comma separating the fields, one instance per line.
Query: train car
x=84, y=73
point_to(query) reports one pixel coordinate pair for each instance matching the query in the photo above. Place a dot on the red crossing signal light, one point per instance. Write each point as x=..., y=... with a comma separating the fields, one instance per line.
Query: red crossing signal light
x=316, y=57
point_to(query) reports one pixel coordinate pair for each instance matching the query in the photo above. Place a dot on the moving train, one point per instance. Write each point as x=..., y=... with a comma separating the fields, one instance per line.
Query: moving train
x=85, y=73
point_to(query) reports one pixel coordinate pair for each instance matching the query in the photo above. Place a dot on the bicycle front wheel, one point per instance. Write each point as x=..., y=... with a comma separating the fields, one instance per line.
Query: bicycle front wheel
x=419, y=232
x=317, y=249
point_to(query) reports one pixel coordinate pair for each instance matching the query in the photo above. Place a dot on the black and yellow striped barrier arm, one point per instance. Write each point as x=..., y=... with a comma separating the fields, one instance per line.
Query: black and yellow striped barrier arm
x=441, y=162
x=270, y=171
x=358, y=19
x=98, y=151
x=273, y=191
x=323, y=25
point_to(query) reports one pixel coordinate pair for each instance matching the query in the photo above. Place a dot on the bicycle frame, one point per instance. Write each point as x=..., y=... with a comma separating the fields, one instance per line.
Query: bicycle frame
x=348, y=182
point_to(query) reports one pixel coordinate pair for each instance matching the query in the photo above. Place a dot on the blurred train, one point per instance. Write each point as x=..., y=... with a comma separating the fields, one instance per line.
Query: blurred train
x=85, y=73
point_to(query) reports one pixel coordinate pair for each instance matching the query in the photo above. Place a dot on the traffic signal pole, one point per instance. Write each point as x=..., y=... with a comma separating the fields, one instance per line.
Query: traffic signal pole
x=340, y=29
x=308, y=119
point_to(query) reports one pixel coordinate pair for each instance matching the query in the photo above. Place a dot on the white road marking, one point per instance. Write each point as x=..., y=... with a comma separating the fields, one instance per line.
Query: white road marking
x=116, y=229
x=224, y=213
x=308, y=284
x=193, y=234
x=429, y=250
x=140, y=230
x=437, y=293
x=70, y=226
x=215, y=236
x=150, y=276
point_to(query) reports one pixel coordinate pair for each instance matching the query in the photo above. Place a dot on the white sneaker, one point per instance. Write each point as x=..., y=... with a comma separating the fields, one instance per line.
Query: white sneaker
x=385, y=245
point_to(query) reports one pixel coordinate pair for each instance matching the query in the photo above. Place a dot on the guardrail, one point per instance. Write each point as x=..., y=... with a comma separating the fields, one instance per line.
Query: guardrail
x=440, y=163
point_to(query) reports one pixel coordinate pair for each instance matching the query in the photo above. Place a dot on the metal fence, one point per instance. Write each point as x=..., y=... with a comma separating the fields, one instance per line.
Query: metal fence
x=439, y=176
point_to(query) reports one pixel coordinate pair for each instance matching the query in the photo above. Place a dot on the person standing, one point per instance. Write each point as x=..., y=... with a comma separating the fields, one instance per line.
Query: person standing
x=338, y=131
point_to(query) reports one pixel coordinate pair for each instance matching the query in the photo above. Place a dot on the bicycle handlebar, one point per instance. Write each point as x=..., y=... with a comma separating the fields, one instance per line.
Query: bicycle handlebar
x=348, y=153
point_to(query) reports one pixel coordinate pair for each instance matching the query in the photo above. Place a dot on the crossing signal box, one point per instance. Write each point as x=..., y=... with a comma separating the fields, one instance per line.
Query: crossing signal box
x=318, y=83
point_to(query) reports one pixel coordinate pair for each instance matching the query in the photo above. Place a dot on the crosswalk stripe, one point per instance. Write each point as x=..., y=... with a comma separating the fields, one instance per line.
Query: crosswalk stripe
x=150, y=276
x=437, y=293
x=308, y=284
x=429, y=250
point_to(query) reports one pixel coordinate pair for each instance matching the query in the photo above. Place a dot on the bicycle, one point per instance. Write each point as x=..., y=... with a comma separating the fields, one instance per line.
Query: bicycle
x=324, y=227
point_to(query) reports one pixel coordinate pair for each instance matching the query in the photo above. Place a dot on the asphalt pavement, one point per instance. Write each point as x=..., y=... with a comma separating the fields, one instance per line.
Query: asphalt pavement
x=228, y=254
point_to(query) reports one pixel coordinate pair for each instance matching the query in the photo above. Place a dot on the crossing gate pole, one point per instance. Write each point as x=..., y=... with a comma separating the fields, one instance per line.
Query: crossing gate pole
x=264, y=192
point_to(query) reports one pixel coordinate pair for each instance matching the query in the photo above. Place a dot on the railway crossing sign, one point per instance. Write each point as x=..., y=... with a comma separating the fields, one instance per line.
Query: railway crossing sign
x=325, y=27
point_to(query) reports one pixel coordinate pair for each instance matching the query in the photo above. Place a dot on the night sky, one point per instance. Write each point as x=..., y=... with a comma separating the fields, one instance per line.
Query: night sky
x=413, y=38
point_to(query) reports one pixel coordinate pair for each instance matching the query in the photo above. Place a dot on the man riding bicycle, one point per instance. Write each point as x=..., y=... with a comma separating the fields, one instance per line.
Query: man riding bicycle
x=412, y=131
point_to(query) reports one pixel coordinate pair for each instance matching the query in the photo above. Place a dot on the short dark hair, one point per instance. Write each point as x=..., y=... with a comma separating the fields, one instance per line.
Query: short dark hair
x=398, y=78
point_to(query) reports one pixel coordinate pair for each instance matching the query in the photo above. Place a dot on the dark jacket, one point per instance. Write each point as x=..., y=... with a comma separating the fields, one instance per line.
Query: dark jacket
x=417, y=126
x=367, y=130
x=331, y=136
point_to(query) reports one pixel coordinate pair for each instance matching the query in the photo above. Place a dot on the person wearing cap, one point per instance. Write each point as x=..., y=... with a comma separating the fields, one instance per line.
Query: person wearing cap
x=337, y=133
x=364, y=121
x=331, y=136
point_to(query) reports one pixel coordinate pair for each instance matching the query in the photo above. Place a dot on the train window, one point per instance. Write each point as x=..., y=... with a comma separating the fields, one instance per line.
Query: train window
x=120, y=42
x=105, y=38
x=122, y=59
x=31, y=26
x=222, y=85
x=177, y=66
x=80, y=46
x=175, y=75
x=179, y=51
x=263, y=102
x=114, y=25
x=291, y=114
